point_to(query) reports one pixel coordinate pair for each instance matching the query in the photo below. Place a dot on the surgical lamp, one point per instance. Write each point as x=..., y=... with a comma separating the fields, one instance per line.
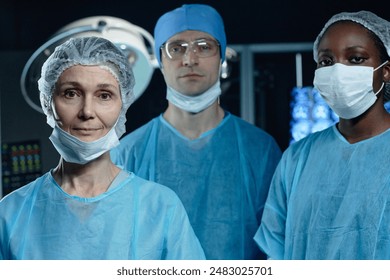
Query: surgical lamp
x=135, y=42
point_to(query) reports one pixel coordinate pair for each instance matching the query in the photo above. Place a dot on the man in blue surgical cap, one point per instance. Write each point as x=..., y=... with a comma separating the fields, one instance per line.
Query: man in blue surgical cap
x=218, y=164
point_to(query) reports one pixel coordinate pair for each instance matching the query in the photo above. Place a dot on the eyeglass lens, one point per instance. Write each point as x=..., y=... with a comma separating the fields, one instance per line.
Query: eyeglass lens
x=202, y=48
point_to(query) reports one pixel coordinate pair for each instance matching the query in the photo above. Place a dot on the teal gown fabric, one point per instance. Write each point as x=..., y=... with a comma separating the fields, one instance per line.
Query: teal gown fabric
x=329, y=200
x=222, y=178
x=136, y=219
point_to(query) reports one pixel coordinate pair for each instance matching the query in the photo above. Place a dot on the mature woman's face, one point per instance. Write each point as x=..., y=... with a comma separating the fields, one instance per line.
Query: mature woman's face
x=87, y=102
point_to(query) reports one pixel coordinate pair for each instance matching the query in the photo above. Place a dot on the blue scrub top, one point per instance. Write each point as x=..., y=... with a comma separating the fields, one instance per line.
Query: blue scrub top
x=136, y=219
x=222, y=178
x=329, y=199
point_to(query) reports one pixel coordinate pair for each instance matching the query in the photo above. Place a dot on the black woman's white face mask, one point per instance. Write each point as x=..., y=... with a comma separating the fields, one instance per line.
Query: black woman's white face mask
x=347, y=89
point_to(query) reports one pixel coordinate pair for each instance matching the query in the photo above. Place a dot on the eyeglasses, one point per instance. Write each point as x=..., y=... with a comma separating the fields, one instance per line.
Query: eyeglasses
x=176, y=50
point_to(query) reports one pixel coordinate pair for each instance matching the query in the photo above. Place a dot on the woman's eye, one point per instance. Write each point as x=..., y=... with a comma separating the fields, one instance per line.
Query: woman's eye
x=325, y=62
x=357, y=60
x=70, y=93
x=105, y=96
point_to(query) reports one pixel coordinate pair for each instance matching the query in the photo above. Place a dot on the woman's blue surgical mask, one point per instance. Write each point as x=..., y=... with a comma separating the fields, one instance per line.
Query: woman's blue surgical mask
x=74, y=150
x=347, y=89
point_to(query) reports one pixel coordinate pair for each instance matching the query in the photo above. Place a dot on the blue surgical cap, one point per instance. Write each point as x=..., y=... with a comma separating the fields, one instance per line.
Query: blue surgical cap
x=197, y=17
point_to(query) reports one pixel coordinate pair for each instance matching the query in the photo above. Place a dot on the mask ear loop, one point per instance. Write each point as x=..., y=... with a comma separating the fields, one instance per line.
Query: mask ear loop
x=383, y=83
x=376, y=93
x=54, y=112
x=384, y=63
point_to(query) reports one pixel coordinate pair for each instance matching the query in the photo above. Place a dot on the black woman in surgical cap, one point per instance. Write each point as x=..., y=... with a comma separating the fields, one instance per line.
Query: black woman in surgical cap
x=330, y=196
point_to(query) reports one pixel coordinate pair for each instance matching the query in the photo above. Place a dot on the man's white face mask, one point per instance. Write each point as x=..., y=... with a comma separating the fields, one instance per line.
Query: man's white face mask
x=194, y=104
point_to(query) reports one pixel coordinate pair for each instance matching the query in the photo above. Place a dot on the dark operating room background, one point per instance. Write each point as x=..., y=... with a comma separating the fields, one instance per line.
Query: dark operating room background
x=26, y=25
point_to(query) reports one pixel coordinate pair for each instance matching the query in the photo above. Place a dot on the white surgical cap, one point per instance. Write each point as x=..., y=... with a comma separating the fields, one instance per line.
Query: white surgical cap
x=87, y=51
x=377, y=25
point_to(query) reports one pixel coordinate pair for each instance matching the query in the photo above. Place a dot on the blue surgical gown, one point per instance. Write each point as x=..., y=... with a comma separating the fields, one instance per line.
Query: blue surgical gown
x=136, y=219
x=329, y=199
x=222, y=178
